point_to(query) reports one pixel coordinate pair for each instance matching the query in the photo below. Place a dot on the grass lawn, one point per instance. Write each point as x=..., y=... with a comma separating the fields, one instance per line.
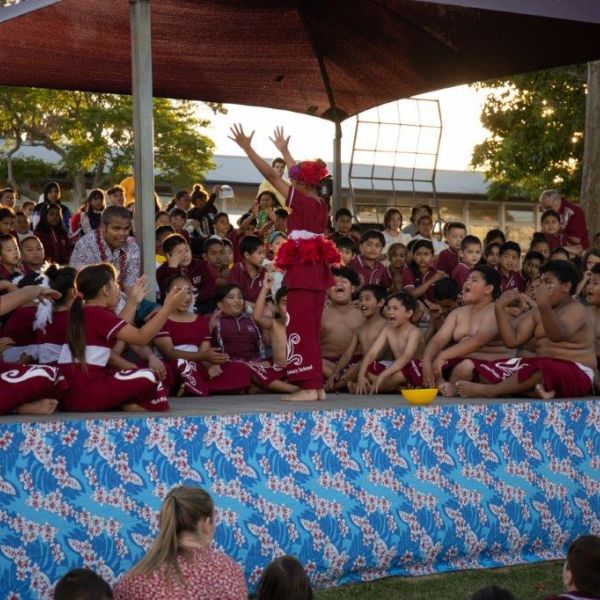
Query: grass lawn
x=526, y=582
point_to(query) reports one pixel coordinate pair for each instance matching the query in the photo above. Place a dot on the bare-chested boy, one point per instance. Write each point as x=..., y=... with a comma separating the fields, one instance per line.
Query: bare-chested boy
x=403, y=339
x=593, y=300
x=341, y=318
x=273, y=323
x=566, y=358
x=469, y=338
x=371, y=300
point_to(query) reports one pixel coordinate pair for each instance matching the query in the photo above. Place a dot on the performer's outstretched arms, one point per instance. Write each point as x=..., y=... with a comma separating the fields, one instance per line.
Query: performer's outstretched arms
x=266, y=170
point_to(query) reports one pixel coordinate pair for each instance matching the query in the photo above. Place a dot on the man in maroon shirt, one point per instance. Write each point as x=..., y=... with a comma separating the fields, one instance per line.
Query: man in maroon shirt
x=572, y=217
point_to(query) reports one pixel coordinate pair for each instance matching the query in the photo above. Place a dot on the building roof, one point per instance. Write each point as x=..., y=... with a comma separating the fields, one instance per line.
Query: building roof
x=239, y=170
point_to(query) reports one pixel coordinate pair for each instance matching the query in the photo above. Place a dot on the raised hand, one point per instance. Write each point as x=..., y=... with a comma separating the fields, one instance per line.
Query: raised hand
x=44, y=292
x=138, y=291
x=175, y=296
x=239, y=137
x=279, y=139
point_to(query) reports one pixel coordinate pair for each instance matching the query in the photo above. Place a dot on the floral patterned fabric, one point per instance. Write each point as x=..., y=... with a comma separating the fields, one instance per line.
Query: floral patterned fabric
x=355, y=494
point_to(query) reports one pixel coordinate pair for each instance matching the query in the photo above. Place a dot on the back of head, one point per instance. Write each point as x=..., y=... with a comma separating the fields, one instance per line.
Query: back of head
x=82, y=584
x=182, y=510
x=583, y=560
x=284, y=579
x=445, y=289
x=492, y=592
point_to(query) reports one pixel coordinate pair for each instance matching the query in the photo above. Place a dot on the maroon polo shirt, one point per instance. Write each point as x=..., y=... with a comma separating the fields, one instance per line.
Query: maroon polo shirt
x=203, y=283
x=460, y=273
x=410, y=281
x=513, y=281
x=250, y=285
x=239, y=337
x=376, y=275
x=447, y=261
x=573, y=223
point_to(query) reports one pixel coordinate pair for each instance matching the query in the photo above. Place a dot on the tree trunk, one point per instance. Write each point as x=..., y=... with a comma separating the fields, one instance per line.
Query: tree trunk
x=590, y=182
x=10, y=176
x=78, y=189
x=98, y=174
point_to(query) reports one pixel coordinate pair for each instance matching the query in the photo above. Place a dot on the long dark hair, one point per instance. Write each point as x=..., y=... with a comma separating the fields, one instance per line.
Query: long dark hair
x=43, y=224
x=93, y=216
x=89, y=281
x=285, y=578
x=51, y=185
x=62, y=279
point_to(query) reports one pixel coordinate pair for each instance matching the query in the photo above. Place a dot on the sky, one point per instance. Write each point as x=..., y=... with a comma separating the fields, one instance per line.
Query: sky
x=311, y=137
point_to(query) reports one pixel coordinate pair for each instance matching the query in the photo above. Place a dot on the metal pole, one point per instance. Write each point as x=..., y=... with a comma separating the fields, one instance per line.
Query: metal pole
x=337, y=168
x=143, y=136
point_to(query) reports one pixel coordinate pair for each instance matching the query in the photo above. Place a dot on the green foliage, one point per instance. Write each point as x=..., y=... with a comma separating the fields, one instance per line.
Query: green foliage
x=35, y=171
x=93, y=132
x=536, y=123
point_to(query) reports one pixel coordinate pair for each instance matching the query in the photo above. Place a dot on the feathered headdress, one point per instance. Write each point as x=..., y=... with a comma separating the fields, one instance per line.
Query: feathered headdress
x=309, y=172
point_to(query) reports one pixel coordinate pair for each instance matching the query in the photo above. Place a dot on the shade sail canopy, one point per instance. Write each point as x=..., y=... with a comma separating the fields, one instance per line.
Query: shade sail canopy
x=266, y=53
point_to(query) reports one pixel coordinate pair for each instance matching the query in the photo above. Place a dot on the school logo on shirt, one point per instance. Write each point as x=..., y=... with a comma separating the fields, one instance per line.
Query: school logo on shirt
x=196, y=280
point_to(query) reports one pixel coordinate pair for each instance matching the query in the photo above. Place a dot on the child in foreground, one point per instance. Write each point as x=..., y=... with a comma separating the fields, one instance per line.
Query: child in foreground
x=403, y=339
x=284, y=578
x=93, y=331
x=182, y=563
x=581, y=571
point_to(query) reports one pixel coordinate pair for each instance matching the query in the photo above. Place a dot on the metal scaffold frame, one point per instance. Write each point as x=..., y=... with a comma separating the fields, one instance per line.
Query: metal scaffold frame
x=403, y=155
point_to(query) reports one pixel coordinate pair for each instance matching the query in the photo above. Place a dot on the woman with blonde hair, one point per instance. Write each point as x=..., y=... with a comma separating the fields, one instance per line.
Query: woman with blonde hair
x=182, y=563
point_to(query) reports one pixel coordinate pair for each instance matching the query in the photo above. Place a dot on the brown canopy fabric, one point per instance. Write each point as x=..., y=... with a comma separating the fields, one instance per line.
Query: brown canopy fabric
x=305, y=56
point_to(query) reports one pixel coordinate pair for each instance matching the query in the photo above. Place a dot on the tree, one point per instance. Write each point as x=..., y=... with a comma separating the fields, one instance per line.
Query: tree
x=92, y=133
x=536, y=123
x=590, y=184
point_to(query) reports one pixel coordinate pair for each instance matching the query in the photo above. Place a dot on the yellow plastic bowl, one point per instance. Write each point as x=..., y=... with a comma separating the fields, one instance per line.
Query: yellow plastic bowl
x=420, y=397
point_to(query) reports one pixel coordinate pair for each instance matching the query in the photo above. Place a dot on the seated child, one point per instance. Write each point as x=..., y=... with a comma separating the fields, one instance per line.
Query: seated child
x=274, y=241
x=224, y=231
x=249, y=273
x=592, y=297
x=186, y=336
x=491, y=254
x=284, y=577
x=367, y=264
x=94, y=330
x=32, y=255
x=403, y=339
x=470, y=256
x=539, y=244
x=161, y=233
x=51, y=231
x=340, y=318
x=22, y=226
x=239, y=336
x=508, y=267
x=532, y=263
x=213, y=255
x=551, y=228
x=181, y=262
x=449, y=258
x=371, y=300
x=162, y=218
x=397, y=263
x=343, y=227
x=7, y=220
x=494, y=236
x=566, y=358
x=275, y=322
x=559, y=254
x=420, y=276
x=581, y=572
x=10, y=257
x=347, y=249
x=82, y=584
x=590, y=258
x=425, y=232
x=178, y=220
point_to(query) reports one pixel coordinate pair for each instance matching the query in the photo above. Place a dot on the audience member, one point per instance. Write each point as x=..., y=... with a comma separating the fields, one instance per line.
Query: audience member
x=82, y=584
x=284, y=579
x=492, y=592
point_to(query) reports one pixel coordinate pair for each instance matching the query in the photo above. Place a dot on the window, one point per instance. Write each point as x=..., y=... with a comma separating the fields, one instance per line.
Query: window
x=519, y=224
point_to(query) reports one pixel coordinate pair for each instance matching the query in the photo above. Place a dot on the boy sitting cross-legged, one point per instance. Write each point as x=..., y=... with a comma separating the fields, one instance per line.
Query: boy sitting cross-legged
x=371, y=300
x=403, y=339
x=566, y=359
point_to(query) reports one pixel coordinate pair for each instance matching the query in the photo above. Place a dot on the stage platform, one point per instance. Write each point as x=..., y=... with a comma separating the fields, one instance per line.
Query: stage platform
x=356, y=487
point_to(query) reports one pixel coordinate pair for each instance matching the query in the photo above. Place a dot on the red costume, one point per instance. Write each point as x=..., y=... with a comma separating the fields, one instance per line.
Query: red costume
x=188, y=337
x=306, y=258
x=94, y=387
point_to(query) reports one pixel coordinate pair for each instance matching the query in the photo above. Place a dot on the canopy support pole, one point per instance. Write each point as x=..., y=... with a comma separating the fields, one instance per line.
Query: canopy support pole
x=143, y=137
x=337, y=168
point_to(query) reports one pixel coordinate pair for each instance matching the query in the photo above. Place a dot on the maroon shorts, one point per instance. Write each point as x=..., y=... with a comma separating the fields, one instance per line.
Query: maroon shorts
x=412, y=372
x=264, y=375
x=568, y=379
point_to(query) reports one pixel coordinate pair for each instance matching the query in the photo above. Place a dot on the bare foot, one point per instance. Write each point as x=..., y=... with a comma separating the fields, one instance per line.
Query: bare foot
x=468, y=389
x=40, y=407
x=303, y=396
x=133, y=407
x=543, y=393
x=448, y=390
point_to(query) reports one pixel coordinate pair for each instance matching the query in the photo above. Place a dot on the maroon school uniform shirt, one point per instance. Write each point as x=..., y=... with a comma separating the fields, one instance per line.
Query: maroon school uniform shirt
x=198, y=273
x=410, y=281
x=573, y=223
x=377, y=275
x=57, y=245
x=336, y=235
x=513, y=281
x=572, y=596
x=460, y=273
x=447, y=261
x=239, y=337
x=250, y=286
x=6, y=274
x=557, y=240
